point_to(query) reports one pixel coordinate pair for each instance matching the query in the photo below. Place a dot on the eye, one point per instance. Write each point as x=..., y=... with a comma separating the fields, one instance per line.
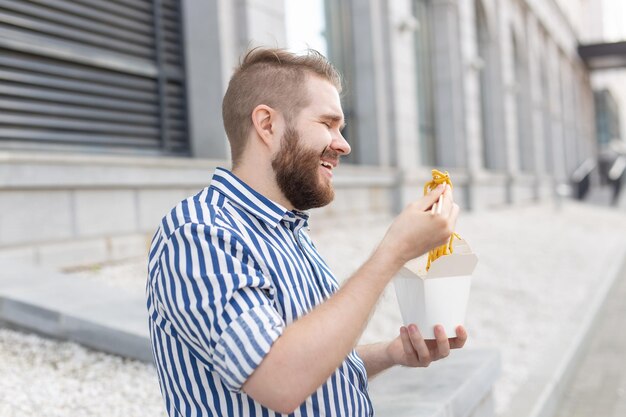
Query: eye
x=326, y=124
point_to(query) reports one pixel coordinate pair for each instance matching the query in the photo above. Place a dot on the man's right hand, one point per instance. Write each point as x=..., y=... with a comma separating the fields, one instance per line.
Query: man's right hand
x=416, y=231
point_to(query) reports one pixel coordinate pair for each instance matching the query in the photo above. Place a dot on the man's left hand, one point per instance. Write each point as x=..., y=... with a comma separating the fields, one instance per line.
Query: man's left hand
x=410, y=348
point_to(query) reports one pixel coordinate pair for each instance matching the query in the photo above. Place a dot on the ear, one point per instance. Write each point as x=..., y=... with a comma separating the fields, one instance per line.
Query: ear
x=266, y=122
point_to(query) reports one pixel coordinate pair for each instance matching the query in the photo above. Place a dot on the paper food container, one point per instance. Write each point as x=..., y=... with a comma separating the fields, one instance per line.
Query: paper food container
x=440, y=295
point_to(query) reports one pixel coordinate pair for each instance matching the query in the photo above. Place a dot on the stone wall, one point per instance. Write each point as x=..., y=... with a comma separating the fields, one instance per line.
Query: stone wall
x=70, y=210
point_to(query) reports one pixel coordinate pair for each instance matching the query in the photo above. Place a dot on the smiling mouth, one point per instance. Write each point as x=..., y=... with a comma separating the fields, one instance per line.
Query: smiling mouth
x=327, y=167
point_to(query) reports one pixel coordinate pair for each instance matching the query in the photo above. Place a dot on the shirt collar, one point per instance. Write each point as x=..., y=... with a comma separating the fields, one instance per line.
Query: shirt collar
x=296, y=219
x=254, y=202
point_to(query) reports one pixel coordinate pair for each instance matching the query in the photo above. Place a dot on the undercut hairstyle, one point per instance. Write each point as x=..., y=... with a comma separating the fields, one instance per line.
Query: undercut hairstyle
x=274, y=77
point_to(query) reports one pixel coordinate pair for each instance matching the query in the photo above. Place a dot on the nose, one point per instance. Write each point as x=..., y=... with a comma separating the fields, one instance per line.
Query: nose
x=340, y=144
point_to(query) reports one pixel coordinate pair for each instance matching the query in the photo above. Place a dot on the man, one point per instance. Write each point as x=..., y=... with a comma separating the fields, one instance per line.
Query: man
x=246, y=319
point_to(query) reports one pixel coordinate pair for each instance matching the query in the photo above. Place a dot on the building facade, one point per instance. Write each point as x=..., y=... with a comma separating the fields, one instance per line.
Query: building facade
x=493, y=91
x=111, y=111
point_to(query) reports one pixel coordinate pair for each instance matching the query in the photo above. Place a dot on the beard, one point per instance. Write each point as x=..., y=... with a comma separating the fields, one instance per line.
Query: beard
x=297, y=173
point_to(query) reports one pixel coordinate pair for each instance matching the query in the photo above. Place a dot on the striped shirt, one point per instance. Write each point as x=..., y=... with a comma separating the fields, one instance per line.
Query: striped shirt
x=228, y=270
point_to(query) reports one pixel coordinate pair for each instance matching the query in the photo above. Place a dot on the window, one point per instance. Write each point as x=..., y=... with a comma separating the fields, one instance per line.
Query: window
x=306, y=25
x=93, y=75
x=425, y=84
x=484, y=45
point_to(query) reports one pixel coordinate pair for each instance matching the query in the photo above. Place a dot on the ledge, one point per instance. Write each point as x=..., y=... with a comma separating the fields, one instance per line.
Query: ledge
x=37, y=171
x=458, y=386
x=74, y=308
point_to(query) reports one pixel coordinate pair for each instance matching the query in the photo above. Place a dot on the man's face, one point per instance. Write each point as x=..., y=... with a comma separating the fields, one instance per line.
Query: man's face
x=298, y=175
x=310, y=149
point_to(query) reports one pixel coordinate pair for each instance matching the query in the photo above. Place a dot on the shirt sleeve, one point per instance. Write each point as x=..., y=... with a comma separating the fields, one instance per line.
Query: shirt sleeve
x=217, y=300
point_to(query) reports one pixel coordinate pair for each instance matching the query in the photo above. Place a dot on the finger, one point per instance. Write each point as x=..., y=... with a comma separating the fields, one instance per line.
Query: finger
x=443, y=345
x=419, y=345
x=406, y=344
x=460, y=339
x=426, y=202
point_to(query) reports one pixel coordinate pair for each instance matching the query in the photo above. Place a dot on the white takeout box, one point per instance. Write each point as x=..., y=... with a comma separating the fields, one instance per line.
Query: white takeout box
x=440, y=295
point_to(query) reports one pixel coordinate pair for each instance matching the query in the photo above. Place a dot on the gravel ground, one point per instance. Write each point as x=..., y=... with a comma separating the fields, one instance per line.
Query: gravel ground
x=42, y=377
x=537, y=268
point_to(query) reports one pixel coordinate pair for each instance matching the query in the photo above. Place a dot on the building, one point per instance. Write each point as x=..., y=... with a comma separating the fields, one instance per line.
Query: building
x=111, y=111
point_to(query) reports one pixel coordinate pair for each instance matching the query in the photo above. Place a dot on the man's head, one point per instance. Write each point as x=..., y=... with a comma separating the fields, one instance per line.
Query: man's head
x=273, y=77
x=283, y=118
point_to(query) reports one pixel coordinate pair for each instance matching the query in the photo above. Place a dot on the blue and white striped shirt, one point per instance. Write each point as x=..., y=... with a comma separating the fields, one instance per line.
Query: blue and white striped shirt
x=228, y=270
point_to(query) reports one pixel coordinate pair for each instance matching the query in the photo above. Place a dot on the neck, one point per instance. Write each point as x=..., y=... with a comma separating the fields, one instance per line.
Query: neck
x=263, y=181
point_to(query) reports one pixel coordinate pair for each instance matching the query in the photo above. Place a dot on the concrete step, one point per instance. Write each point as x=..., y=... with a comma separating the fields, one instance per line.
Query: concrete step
x=459, y=386
x=74, y=308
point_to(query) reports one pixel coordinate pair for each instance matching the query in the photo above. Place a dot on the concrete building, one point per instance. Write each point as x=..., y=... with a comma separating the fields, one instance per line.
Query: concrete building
x=111, y=111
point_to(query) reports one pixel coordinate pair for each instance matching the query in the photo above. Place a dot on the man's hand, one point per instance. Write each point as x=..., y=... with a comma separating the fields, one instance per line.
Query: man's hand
x=416, y=230
x=410, y=348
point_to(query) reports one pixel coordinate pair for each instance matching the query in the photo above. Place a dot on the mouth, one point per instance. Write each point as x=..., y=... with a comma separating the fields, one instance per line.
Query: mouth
x=328, y=167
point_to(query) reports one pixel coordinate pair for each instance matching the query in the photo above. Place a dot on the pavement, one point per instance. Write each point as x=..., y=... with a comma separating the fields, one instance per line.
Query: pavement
x=598, y=386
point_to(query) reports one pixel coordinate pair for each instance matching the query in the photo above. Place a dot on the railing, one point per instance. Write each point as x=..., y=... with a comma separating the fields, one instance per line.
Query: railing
x=616, y=176
x=617, y=169
x=581, y=178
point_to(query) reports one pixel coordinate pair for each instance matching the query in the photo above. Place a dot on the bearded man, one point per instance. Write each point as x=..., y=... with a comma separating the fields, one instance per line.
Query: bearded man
x=246, y=319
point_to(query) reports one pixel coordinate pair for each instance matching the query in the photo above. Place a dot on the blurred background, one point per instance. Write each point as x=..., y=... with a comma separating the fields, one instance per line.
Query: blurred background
x=110, y=113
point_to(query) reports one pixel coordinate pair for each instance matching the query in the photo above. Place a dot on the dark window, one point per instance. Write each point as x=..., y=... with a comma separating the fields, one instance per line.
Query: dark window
x=93, y=75
x=425, y=84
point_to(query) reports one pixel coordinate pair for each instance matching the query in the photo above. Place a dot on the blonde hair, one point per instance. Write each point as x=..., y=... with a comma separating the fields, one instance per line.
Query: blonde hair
x=274, y=77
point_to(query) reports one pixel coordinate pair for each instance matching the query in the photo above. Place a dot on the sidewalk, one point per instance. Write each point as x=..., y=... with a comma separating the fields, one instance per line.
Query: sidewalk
x=599, y=384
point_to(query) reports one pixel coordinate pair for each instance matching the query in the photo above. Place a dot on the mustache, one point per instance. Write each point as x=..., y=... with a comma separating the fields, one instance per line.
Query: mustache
x=328, y=153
